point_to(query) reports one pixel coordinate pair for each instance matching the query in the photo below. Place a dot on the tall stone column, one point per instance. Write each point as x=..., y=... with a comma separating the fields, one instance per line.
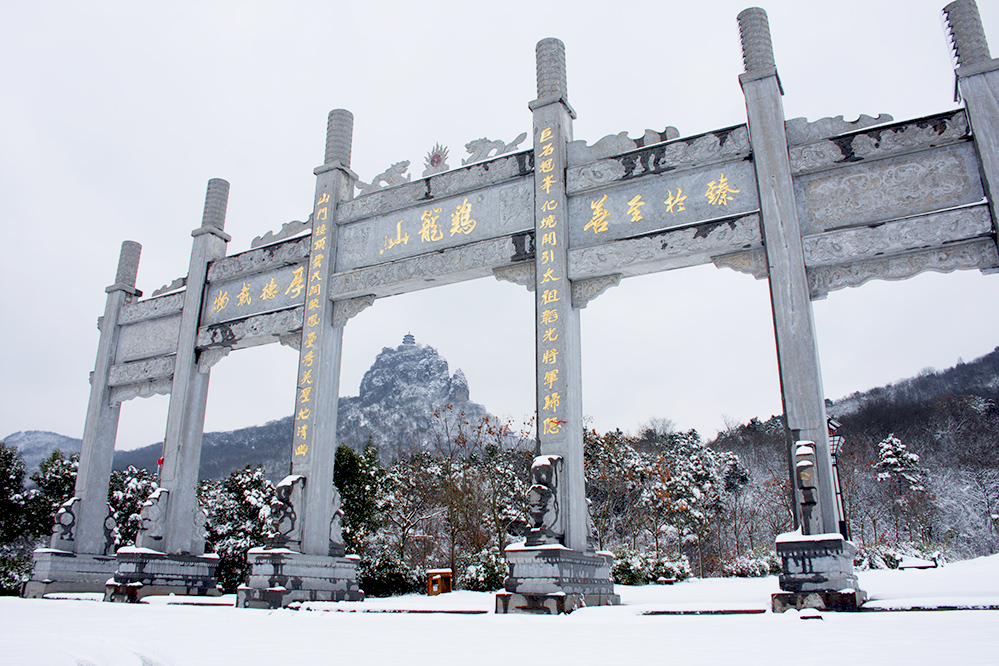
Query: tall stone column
x=814, y=570
x=556, y=570
x=80, y=558
x=168, y=556
x=306, y=521
x=182, y=531
x=978, y=85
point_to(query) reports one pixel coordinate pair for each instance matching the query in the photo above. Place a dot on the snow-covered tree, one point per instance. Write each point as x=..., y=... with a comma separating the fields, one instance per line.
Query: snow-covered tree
x=127, y=490
x=235, y=521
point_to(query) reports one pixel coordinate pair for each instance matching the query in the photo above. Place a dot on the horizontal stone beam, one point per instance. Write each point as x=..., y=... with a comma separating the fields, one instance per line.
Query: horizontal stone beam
x=465, y=262
x=448, y=184
x=292, y=251
x=151, y=308
x=146, y=370
x=922, y=232
x=976, y=254
x=252, y=331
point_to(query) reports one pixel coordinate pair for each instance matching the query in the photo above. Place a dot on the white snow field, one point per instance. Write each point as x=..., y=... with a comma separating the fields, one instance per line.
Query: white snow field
x=166, y=631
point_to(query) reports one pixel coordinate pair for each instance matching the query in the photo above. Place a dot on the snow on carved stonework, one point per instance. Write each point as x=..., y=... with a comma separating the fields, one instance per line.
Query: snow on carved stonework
x=288, y=229
x=120, y=394
x=344, y=310
x=178, y=283
x=254, y=261
x=388, y=178
x=615, y=144
x=483, y=149
x=800, y=130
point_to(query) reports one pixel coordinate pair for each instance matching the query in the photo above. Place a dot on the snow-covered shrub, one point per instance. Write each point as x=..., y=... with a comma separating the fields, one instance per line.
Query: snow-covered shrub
x=889, y=556
x=752, y=565
x=483, y=572
x=384, y=574
x=638, y=568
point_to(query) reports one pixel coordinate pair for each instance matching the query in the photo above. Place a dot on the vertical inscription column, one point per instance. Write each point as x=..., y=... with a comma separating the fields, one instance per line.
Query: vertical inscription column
x=978, y=85
x=189, y=393
x=559, y=382
x=797, y=351
x=101, y=427
x=314, y=440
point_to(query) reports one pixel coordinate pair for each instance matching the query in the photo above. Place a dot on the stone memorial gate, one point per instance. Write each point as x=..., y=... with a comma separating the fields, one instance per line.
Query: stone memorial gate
x=810, y=206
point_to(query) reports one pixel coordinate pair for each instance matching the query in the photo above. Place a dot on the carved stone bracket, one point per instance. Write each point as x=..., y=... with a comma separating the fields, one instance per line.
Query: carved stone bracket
x=388, y=178
x=978, y=254
x=483, y=149
x=207, y=358
x=522, y=274
x=293, y=341
x=344, y=310
x=256, y=330
x=288, y=229
x=178, y=283
x=584, y=291
x=120, y=394
x=753, y=262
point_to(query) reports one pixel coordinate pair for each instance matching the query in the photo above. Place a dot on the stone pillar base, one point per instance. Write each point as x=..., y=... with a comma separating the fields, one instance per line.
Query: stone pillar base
x=63, y=571
x=817, y=572
x=280, y=577
x=142, y=572
x=553, y=579
x=828, y=601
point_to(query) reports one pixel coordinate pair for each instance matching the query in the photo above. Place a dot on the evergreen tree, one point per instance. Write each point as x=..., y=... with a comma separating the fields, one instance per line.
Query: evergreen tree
x=127, y=491
x=56, y=480
x=360, y=479
x=234, y=521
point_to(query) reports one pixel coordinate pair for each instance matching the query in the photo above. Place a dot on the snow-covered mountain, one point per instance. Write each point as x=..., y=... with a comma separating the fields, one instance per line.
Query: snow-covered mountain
x=398, y=396
x=36, y=445
x=394, y=411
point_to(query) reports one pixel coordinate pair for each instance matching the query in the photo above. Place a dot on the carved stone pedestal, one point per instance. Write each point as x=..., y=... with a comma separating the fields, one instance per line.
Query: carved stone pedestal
x=279, y=577
x=817, y=572
x=63, y=571
x=552, y=579
x=142, y=572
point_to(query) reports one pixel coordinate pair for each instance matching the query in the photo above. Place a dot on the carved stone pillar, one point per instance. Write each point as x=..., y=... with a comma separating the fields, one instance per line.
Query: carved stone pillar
x=81, y=522
x=306, y=544
x=978, y=85
x=189, y=394
x=555, y=571
x=809, y=576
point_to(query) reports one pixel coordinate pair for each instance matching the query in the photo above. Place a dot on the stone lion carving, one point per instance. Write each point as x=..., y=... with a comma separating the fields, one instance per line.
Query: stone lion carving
x=391, y=176
x=65, y=524
x=336, y=527
x=153, y=515
x=283, y=525
x=543, y=499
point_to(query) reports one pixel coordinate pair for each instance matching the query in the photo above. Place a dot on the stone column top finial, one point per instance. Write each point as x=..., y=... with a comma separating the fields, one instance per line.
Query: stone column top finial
x=967, y=35
x=216, y=200
x=213, y=219
x=128, y=268
x=339, y=136
x=550, y=54
x=757, y=48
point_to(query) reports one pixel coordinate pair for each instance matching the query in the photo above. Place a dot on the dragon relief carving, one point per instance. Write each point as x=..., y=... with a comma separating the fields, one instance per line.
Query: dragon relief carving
x=800, y=131
x=483, y=149
x=388, y=178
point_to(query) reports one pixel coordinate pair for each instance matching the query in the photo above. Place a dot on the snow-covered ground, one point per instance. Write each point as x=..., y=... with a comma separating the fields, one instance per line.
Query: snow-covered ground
x=163, y=632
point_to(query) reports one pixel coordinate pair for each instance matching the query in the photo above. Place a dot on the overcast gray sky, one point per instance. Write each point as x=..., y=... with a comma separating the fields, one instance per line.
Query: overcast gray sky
x=113, y=116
